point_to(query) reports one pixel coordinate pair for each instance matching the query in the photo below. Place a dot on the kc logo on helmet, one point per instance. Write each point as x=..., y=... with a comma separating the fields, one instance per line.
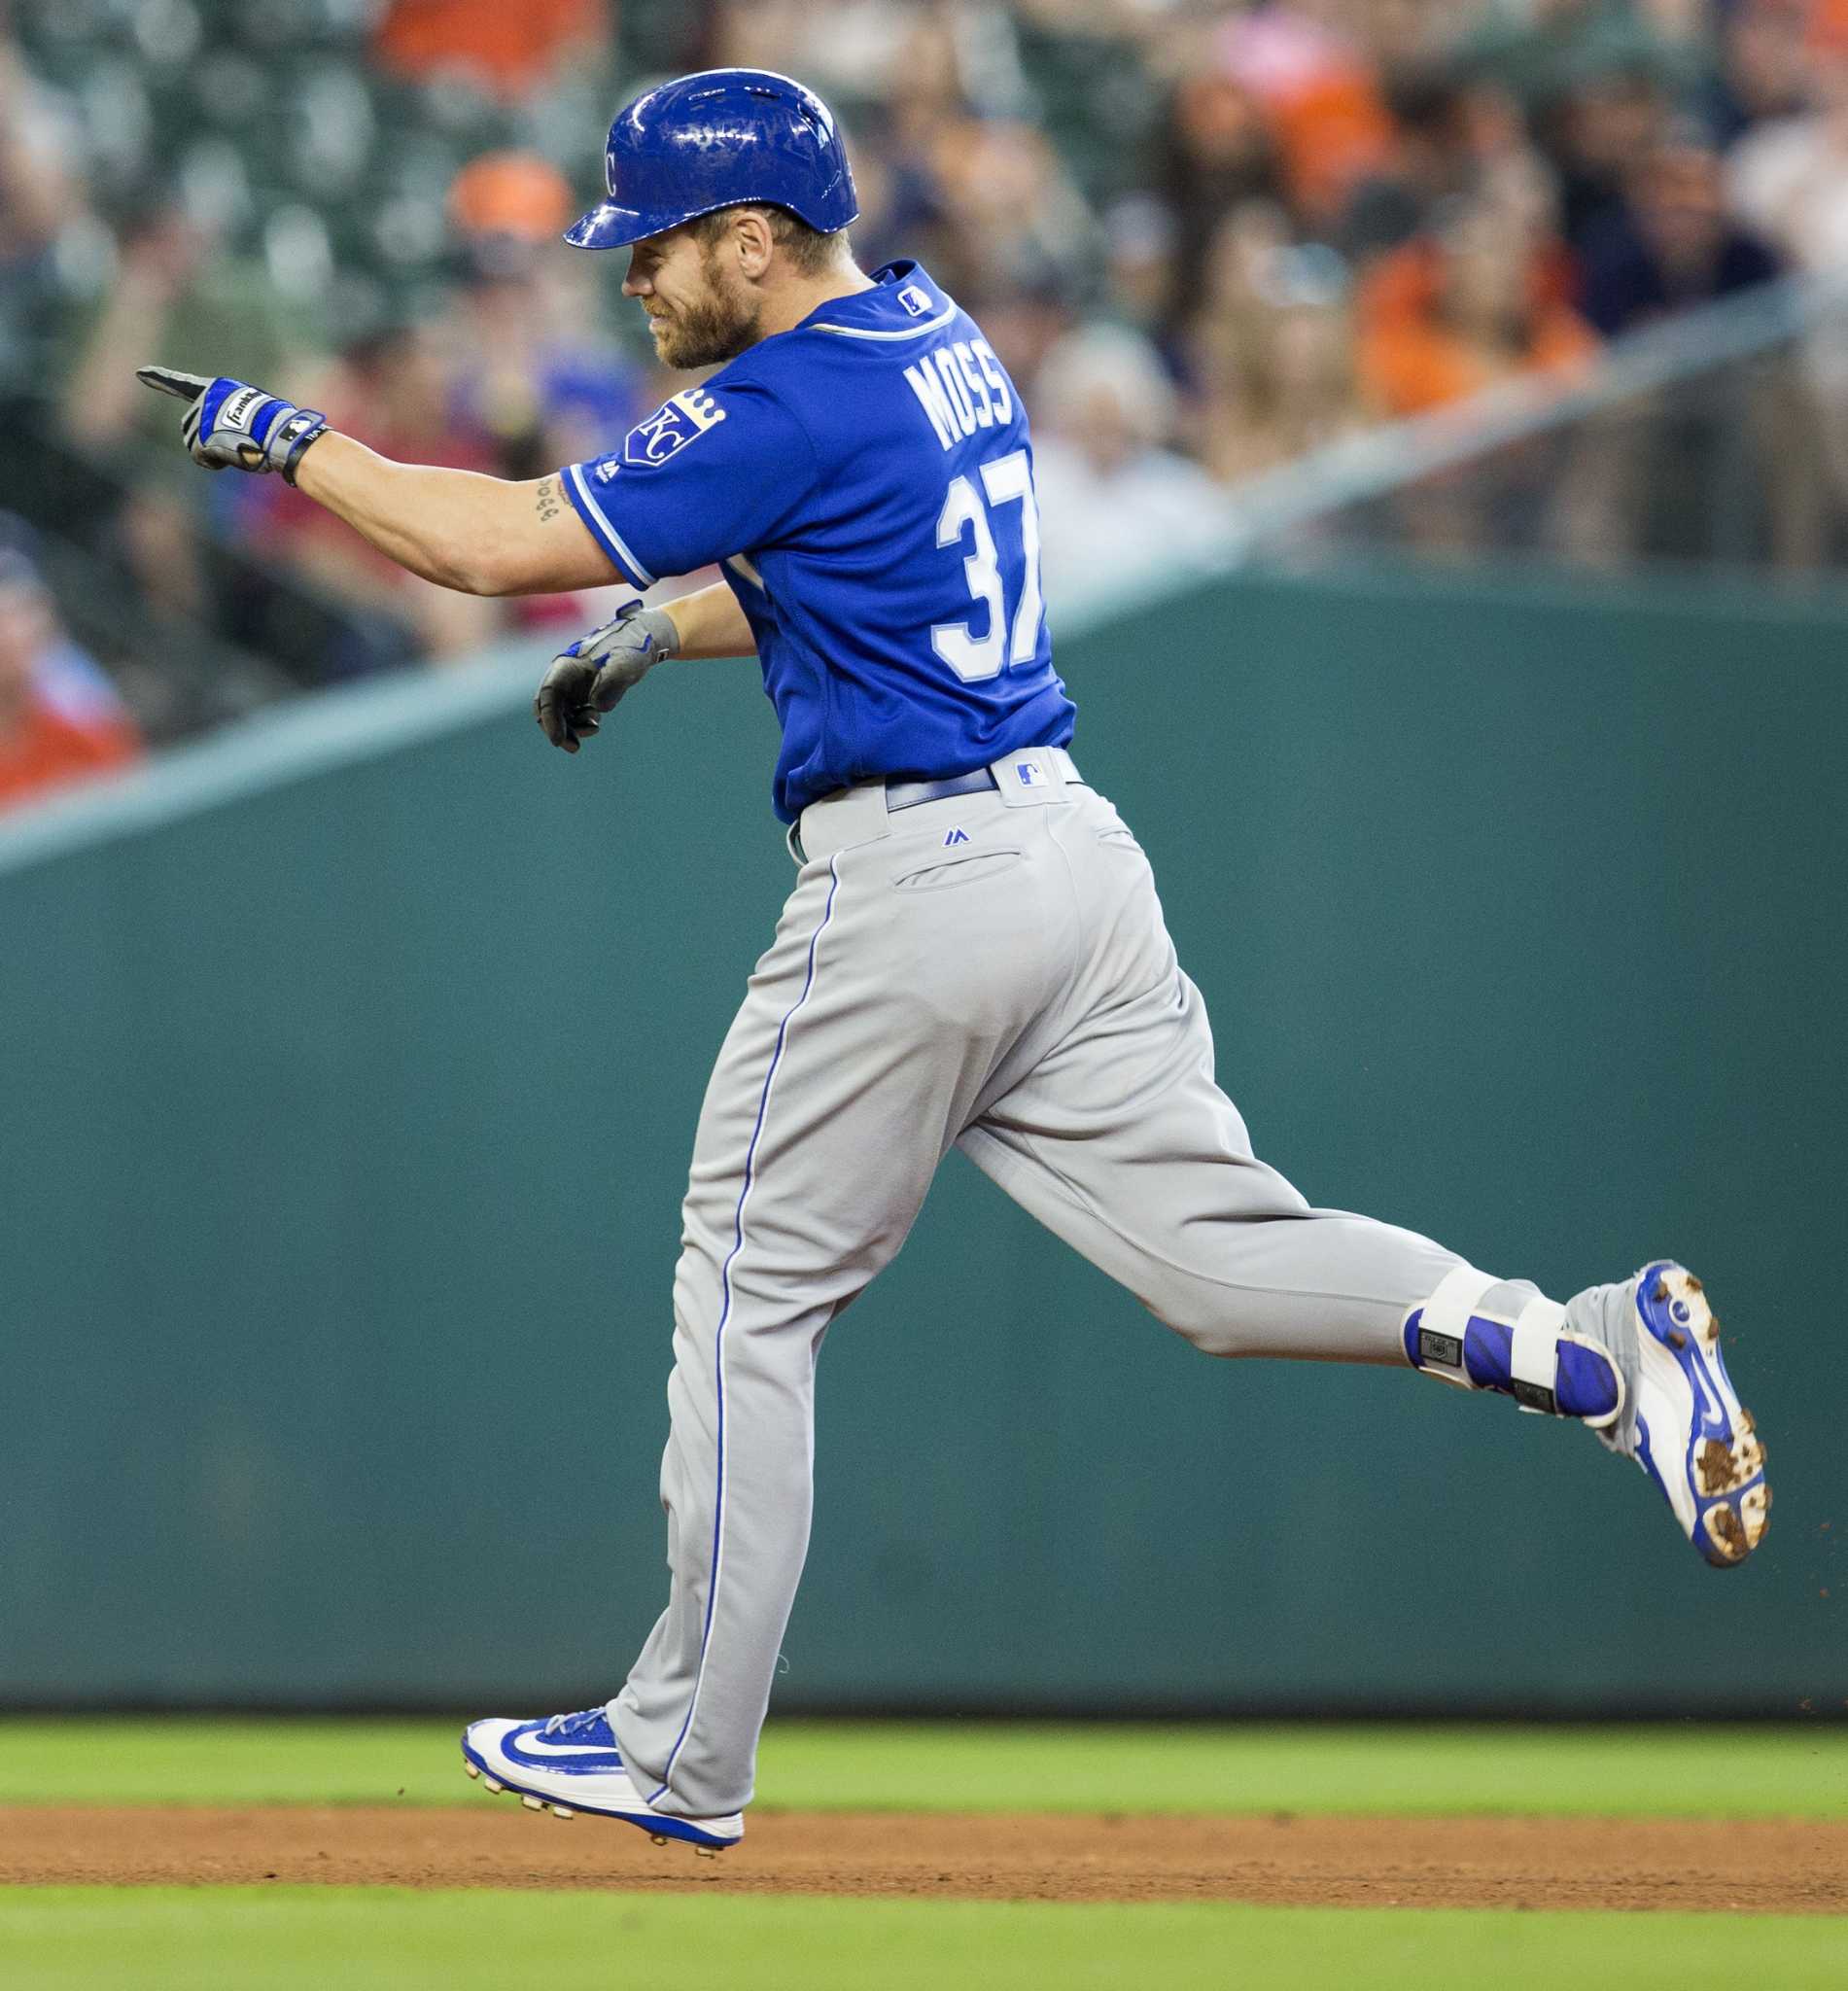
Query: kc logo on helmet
x=680, y=420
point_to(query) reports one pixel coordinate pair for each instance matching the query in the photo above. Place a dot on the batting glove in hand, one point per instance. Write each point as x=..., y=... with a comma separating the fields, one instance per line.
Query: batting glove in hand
x=591, y=678
x=233, y=425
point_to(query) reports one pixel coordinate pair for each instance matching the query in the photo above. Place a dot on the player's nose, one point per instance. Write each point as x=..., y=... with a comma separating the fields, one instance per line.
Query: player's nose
x=636, y=283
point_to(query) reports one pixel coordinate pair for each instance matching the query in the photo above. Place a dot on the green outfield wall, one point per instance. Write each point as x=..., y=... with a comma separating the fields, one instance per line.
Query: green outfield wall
x=348, y=1072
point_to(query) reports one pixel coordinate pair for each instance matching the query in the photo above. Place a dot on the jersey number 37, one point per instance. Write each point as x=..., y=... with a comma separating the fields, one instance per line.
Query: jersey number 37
x=995, y=580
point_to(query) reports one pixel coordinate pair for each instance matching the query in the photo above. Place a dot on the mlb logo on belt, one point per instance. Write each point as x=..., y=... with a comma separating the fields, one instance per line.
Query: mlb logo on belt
x=1027, y=773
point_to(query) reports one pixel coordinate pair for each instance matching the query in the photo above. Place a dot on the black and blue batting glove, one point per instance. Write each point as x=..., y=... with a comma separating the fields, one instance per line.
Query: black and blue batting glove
x=591, y=677
x=232, y=426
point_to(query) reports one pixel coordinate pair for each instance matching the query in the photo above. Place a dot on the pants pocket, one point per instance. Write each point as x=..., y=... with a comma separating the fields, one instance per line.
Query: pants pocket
x=951, y=872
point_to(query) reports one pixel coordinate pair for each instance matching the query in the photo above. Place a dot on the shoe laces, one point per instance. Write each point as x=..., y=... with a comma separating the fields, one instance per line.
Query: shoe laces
x=572, y=1726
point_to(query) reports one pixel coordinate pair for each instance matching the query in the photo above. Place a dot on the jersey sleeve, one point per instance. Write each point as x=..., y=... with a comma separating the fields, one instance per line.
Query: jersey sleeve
x=714, y=470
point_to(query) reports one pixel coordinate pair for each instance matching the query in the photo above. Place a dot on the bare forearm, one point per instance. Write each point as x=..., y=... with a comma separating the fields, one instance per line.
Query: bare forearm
x=437, y=523
x=482, y=536
x=711, y=624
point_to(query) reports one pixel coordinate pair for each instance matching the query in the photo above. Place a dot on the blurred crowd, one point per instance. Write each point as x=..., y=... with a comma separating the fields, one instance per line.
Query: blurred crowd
x=1207, y=239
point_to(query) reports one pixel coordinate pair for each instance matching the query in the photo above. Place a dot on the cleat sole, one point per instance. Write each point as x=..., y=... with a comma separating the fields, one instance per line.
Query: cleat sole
x=1725, y=1531
x=1725, y=1462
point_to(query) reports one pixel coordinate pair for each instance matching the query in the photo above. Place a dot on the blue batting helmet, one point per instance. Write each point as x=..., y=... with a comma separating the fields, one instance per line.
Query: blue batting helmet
x=715, y=140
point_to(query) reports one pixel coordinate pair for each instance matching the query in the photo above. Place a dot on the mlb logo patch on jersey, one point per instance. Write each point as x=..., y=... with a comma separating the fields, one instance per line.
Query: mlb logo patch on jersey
x=915, y=300
x=680, y=419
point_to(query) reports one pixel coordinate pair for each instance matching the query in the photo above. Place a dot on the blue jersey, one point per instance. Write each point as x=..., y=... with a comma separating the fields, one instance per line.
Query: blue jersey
x=866, y=482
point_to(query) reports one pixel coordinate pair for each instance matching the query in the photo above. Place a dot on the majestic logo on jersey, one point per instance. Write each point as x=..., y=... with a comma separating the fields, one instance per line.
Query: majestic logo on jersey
x=680, y=419
x=915, y=300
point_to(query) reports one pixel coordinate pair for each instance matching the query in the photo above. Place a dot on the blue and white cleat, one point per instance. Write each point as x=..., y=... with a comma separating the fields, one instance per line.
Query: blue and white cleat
x=1684, y=1426
x=571, y=1764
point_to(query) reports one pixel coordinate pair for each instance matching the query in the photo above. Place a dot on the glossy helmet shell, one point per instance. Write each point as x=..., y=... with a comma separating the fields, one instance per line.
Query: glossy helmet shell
x=713, y=140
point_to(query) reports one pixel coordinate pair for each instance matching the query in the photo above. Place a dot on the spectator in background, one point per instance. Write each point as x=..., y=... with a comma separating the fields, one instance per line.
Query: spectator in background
x=1764, y=67
x=1218, y=155
x=1429, y=161
x=507, y=48
x=1139, y=248
x=1456, y=138
x=392, y=388
x=1020, y=223
x=532, y=373
x=1320, y=95
x=178, y=288
x=533, y=379
x=1480, y=301
x=1595, y=80
x=1789, y=178
x=1594, y=139
x=1279, y=379
x=1670, y=245
x=901, y=206
x=1116, y=505
x=1674, y=473
x=60, y=720
x=39, y=196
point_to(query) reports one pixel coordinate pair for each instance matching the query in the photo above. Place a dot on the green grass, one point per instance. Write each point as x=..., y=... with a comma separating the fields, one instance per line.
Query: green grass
x=1689, y=1771
x=389, y=1940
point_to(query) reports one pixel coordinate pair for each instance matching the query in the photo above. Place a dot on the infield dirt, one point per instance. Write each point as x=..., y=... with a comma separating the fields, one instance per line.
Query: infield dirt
x=1786, y=1865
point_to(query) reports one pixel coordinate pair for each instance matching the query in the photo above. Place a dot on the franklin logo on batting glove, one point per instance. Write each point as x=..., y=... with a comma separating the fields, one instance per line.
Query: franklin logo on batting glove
x=231, y=425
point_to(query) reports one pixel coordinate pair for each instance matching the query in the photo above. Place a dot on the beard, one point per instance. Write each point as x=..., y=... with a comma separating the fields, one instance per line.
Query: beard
x=718, y=328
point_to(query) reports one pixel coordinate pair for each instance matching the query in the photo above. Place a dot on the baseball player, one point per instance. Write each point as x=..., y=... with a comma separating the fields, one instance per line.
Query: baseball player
x=973, y=954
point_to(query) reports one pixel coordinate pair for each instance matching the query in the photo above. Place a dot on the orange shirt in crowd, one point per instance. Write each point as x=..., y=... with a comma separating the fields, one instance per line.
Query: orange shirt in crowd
x=1321, y=99
x=45, y=749
x=1331, y=133
x=1410, y=359
x=511, y=44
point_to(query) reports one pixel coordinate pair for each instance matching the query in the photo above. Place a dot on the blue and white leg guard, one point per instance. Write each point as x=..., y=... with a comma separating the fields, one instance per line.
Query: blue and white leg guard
x=1505, y=1335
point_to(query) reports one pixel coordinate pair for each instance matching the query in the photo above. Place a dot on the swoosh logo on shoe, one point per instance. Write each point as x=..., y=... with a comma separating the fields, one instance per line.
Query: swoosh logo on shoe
x=1712, y=1408
x=532, y=1745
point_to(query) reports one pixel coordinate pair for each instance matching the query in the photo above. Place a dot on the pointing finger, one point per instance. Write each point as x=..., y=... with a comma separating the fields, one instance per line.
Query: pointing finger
x=167, y=380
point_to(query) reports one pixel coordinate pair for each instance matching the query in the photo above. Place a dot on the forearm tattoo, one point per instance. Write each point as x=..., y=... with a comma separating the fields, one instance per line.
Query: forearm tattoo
x=549, y=499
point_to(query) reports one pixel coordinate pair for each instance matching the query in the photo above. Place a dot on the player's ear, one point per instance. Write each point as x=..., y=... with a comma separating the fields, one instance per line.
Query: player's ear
x=751, y=240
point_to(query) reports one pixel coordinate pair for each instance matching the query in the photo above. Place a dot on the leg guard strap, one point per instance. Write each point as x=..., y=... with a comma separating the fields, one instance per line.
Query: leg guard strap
x=1443, y=1322
x=1533, y=1356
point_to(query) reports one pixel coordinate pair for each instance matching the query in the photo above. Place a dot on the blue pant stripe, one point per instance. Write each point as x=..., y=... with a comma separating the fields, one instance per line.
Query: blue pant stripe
x=724, y=1315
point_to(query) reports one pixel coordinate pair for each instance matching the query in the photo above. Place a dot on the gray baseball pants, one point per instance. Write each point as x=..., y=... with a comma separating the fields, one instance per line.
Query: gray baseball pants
x=990, y=972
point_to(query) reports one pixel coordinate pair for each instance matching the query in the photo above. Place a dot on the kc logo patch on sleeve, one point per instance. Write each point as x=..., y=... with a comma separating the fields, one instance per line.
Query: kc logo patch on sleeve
x=680, y=419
